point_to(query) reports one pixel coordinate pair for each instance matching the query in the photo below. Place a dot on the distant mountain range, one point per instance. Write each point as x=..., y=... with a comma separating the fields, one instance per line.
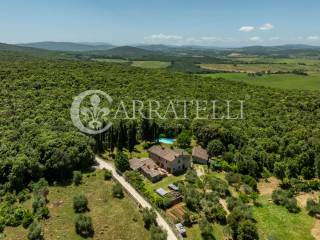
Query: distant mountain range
x=17, y=48
x=136, y=51
x=81, y=47
x=68, y=46
x=127, y=51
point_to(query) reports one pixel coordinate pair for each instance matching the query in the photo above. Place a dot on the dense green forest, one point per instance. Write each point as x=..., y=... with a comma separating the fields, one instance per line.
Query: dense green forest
x=280, y=131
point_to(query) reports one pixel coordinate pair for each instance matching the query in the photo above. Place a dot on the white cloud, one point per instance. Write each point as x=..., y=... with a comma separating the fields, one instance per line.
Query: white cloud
x=255, y=39
x=180, y=40
x=246, y=29
x=313, y=38
x=267, y=26
x=162, y=36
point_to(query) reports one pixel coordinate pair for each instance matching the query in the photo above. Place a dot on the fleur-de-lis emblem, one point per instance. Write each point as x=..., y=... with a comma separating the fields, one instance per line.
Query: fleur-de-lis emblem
x=94, y=117
x=94, y=114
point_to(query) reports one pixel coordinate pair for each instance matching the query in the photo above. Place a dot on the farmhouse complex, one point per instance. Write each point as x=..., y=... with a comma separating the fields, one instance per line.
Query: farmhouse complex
x=161, y=161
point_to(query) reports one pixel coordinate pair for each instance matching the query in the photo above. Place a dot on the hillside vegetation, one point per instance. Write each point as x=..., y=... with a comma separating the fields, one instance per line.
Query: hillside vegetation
x=104, y=209
x=279, y=133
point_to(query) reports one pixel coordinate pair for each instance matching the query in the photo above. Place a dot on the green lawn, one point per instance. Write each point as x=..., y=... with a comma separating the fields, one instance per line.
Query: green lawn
x=283, y=81
x=112, y=218
x=277, y=221
x=163, y=183
x=151, y=64
x=194, y=233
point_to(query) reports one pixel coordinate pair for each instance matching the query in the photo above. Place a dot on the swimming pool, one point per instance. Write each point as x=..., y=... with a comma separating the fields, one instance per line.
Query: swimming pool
x=167, y=140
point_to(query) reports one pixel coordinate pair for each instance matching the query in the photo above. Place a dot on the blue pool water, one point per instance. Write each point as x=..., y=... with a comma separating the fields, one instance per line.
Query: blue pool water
x=167, y=140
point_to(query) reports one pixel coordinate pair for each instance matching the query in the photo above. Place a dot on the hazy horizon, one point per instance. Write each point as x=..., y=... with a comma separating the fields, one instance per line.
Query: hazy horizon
x=203, y=23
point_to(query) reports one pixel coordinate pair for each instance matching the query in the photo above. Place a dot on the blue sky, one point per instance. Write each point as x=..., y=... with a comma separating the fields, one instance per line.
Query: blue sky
x=182, y=22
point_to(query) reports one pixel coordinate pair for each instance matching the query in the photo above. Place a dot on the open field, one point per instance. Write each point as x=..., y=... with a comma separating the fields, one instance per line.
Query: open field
x=104, y=209
x=273, y=220
x=273, y=60
x=252, y=68
x=150, y=64
x=142, y=64
x=110, y=60
x=283, y=81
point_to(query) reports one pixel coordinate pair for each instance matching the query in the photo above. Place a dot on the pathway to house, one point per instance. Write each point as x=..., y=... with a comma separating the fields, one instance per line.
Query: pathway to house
x=137, y=197
x=224, y=204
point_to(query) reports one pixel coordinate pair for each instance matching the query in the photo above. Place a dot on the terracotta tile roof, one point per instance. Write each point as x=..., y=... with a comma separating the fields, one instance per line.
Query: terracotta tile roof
x=151, y=168
x=166, y=153
x=136, y=163
x=199, y=152
x=145, y=164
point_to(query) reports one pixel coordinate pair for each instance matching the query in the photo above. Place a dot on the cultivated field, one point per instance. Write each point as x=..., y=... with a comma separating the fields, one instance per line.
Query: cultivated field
x=266, y=67
x=151, y=64
x=283, y=81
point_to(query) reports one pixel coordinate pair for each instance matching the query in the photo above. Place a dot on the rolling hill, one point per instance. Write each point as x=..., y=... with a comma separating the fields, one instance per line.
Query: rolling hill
x=128, y=52
x=67, y=46
x=12, y=47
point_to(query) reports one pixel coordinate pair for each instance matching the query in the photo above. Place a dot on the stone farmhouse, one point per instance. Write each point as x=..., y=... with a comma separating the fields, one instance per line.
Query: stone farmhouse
x=200, y=155
x=162, y=160
x=172, y=160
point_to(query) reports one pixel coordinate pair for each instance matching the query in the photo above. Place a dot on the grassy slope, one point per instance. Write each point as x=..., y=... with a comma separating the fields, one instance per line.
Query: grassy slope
x=283, y=81
x=276, y=220
x=112, y=218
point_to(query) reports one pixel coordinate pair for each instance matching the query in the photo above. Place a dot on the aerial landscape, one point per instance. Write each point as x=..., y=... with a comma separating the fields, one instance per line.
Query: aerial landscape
x=159, y=120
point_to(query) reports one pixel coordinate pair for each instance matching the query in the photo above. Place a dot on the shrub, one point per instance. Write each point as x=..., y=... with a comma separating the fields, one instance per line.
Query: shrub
x=157, y=233
x=17, y=217
x=250, y=181
x=247, y=230
x=2, y=226
x=27, y=219
x=77, y=177
x=83, y=225
x=184, y=139
x=233, y=178
x=121, y=162
x=135, y=179
x=279, y=196
x=187, y=220
x=80, y=203
x=145, y=145
x=238, y=214
x=10, y=198
x=233, y=202
x=313, y=207
x=107, y=175
x=215, y=148
x=23, y=196
x=117, y=191
x=149, y=217
x=39, y=208
x=206, y=229
x=285, y=198
x=40, y=189
x=35, y=231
